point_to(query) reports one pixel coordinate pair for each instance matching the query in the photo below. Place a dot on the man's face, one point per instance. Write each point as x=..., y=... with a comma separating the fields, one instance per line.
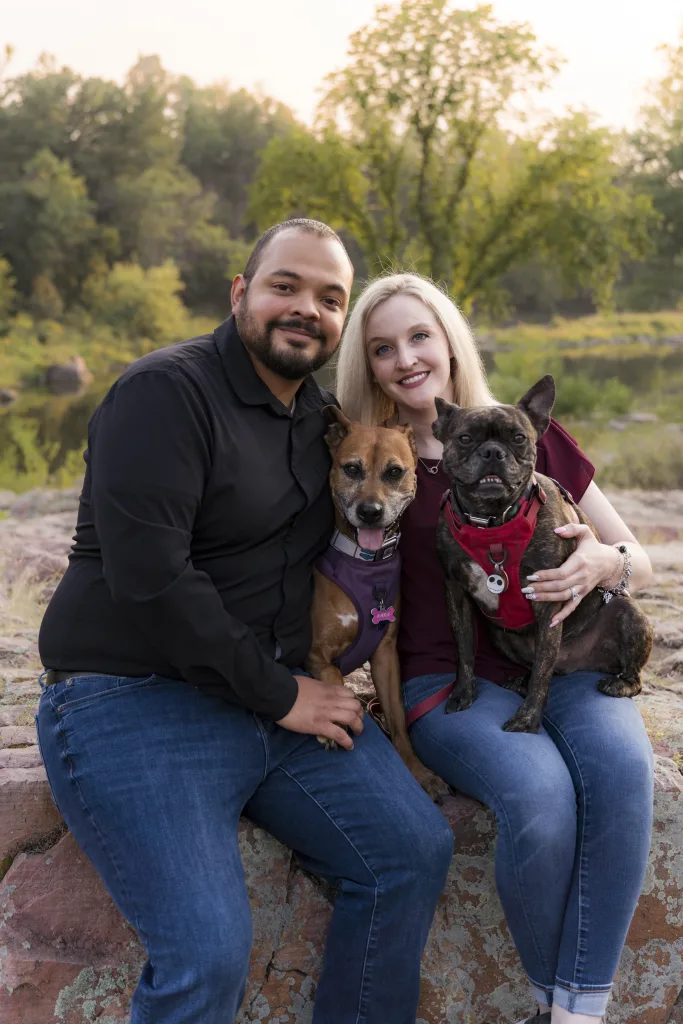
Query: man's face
x=291, y=314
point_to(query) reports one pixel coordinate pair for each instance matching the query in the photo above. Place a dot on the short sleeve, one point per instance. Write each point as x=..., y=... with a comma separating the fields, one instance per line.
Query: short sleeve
x=559, y=456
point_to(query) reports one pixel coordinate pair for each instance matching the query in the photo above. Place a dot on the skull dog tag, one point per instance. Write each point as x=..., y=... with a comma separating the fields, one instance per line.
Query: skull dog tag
x=497, y=582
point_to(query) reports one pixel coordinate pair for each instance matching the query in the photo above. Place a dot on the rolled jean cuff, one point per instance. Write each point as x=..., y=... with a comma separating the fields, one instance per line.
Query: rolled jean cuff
x=542, y=995
x=593, y=1002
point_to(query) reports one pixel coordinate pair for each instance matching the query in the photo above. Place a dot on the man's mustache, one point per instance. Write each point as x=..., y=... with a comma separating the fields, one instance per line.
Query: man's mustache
x=299, y=325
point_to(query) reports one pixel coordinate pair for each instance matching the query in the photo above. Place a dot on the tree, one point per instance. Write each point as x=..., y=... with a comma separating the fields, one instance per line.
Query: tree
x=47, y=225
x=429, y=171
x=657, y=171
x=224, y=133
x=138, y=303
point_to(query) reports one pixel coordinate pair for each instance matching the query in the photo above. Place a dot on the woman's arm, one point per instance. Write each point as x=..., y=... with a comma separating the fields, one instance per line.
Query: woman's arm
x=593, y=563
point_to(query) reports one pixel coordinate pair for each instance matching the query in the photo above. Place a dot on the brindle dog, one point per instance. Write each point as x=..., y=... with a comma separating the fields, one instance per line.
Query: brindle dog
x=489, y=457
x=372, y=480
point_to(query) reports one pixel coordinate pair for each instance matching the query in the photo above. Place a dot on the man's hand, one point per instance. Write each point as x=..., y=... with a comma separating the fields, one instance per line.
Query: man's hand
x=322, y=710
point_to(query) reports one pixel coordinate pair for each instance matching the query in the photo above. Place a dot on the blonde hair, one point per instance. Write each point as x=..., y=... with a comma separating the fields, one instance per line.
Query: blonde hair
x=361, y=398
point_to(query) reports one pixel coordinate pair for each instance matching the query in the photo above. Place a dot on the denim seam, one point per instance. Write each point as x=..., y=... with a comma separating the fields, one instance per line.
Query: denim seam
x=264, y=741
x=569, y=986
x=581, y=836
x=541, y=958
x=104, y=845
x=365, y=973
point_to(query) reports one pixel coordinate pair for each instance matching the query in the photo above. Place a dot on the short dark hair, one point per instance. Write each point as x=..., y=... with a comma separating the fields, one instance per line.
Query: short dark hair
x=312, y=227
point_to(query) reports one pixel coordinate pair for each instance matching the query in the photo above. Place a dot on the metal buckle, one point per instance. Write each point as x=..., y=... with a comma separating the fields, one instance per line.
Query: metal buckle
x=478, y=521
x=388, y=548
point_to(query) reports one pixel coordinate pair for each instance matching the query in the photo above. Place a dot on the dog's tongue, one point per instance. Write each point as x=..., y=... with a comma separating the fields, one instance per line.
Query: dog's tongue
x=371, y=540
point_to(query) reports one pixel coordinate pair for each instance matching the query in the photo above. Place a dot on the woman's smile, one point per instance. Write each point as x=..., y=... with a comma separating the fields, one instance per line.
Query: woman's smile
x=414, y=380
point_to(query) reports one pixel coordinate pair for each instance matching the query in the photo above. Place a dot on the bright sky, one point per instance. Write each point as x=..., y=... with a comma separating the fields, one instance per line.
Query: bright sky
x=285, y=47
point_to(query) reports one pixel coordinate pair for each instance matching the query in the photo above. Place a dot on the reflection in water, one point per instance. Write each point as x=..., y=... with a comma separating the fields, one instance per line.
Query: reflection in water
x=42, y=437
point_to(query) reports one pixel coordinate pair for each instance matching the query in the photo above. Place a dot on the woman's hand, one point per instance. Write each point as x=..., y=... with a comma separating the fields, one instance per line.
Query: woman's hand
x=592, y=563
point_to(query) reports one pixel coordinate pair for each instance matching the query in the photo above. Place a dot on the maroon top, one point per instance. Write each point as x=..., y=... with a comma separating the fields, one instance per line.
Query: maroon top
x=425, y=639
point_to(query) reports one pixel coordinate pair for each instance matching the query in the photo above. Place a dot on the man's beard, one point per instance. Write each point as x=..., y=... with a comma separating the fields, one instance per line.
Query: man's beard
x=287, y=363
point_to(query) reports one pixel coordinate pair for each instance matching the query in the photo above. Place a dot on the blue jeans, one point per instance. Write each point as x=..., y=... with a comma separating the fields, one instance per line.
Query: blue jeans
x=573, y=806
x=152, y=775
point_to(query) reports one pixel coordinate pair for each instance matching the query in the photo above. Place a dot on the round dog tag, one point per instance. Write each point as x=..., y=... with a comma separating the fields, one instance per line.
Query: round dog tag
x=497, y=582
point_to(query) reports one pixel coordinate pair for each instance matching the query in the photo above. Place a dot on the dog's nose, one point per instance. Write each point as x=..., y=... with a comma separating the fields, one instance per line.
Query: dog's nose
x=369, y=512
x=492, y=451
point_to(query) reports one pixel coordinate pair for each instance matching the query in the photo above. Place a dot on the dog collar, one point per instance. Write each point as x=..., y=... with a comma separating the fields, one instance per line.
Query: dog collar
x=487, y=522
x=349, y=547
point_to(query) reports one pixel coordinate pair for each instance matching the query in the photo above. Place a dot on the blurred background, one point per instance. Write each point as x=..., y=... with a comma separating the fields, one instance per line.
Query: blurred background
x=527, y=155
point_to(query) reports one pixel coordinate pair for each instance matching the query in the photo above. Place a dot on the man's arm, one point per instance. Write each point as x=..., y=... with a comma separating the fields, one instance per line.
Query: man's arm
x=150, y=457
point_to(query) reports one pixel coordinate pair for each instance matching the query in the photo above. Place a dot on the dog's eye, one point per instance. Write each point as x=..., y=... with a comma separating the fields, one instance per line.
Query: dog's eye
x=465, y=439
x=518, y=438
x=353, y=470
x=394, y=473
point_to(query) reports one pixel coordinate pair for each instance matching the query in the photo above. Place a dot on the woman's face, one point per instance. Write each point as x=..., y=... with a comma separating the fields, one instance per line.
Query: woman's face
x=409, y=354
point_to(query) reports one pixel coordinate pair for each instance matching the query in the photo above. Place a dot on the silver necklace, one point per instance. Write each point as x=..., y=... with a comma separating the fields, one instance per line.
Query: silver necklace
x=431, y=469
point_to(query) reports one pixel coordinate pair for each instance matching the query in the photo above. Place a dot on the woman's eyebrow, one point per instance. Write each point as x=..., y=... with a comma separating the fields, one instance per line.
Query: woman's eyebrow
x=415, y=327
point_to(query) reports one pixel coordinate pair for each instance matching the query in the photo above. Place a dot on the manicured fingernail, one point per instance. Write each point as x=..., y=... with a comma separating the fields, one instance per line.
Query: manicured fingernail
x=559, y=529
x=553, y=624
x=534, y=579
x=527, y=590
x=531, y=596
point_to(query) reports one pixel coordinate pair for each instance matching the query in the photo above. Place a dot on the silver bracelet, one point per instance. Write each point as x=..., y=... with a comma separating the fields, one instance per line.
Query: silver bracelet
x=621, y=587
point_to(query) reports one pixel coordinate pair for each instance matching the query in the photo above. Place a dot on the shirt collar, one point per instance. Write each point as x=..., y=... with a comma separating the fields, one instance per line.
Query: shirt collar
x=247, y=384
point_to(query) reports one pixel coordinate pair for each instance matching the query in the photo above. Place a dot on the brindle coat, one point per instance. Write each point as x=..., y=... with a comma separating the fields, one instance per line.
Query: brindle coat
x=375, y=465
x=615, y=637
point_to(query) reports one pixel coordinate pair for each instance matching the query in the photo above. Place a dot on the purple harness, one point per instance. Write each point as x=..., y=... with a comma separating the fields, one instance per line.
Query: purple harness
x=373, y=587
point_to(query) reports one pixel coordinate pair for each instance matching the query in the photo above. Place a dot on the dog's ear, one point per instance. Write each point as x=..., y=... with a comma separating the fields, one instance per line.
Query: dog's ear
x=407, y=429
x=444, y=412
x=338, y=428
x=538, y=402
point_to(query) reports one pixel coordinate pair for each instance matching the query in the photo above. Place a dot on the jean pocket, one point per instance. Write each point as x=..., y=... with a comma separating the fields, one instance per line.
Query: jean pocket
x=83, y=691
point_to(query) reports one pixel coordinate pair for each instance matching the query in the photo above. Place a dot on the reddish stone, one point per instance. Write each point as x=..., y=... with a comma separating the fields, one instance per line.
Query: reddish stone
x=27, y=811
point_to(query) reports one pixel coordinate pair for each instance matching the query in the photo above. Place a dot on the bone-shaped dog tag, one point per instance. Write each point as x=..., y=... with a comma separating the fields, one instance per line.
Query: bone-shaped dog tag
x=498, y=581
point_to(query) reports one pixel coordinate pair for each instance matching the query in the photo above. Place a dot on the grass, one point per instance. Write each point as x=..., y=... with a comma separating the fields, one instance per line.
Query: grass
x=24, y=601
x=634, y=328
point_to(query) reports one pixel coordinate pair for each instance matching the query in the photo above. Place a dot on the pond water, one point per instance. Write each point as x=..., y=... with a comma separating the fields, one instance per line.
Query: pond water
x=42, y=438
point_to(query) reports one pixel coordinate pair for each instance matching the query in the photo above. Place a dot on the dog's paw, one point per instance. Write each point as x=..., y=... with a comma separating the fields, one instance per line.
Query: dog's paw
x=523, y=721
x=615, y=686
x=328, y=744
x=518, y=684
x=433, y=785
x=460, y=700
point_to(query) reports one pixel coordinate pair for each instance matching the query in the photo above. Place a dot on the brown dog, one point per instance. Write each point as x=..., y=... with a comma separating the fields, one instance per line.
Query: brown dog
x=494, y=502
x=355, y=602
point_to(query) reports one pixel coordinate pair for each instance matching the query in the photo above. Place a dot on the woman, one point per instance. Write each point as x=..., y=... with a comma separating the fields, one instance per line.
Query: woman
x=573, y=803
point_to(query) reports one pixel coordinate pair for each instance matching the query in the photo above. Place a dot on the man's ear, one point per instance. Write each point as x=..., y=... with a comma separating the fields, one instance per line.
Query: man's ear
x=444, y=413
x=338, y=428
x=406, y=428
x=538, y=402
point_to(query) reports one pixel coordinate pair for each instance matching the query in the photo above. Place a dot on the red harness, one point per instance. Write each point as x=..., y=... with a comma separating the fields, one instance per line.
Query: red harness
x=499, y=551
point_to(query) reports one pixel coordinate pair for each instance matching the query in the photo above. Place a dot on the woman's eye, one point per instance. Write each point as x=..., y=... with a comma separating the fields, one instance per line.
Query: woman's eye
x=518, y=438
x=352, y=470
x=394, y=473
x=465, y=439
x=381, y=350
x=420, y=336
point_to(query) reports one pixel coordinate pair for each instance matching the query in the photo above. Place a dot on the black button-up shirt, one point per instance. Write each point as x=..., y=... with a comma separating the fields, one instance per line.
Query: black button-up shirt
x=204, y=507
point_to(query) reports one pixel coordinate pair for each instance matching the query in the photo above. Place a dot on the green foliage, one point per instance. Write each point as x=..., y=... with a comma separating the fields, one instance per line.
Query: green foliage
x=415, y=157
x=657, y=172
x=138, y=304
x=7, y=291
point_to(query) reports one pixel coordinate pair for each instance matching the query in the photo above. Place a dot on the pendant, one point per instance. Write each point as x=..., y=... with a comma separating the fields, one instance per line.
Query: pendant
x=498, y=581
x=433, y=470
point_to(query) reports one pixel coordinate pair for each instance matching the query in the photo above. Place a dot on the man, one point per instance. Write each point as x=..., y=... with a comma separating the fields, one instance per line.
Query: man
x=173, y=703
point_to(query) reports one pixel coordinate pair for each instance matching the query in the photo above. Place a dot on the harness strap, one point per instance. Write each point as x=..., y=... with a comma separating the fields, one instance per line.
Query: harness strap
x=429, y=703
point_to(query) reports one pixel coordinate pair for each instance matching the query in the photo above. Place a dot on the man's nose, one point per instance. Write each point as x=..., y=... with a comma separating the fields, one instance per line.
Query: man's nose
x=370, y=512
x=492, y=452
x=304, y=305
